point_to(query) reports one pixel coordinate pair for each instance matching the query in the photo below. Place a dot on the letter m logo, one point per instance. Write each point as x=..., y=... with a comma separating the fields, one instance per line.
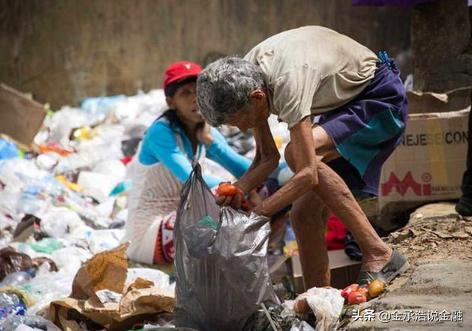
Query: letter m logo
x=402, y=186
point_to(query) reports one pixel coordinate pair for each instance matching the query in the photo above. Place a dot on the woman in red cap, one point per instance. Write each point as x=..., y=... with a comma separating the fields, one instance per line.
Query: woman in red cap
x=164, y=164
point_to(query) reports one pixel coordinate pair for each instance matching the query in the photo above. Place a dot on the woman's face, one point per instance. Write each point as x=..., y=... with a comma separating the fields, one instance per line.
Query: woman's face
x=184, y=102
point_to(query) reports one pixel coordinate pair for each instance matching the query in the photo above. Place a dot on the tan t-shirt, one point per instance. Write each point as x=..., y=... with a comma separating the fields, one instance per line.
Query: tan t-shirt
x=311, y=70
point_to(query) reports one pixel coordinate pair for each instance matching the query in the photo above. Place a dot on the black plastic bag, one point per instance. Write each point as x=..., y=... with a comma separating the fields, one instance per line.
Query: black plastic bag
x=221, y=264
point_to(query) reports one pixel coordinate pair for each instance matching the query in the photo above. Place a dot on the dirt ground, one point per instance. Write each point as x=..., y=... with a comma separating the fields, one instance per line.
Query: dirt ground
x=434, y=294
x=435, y=232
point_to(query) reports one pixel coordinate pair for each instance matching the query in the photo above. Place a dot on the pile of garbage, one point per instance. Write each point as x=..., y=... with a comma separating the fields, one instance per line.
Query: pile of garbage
x=64, y=202
x=63, y=206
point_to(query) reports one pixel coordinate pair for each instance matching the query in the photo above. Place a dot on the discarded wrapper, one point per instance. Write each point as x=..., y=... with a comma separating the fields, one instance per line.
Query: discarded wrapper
x=106, y=270
x=106, y=273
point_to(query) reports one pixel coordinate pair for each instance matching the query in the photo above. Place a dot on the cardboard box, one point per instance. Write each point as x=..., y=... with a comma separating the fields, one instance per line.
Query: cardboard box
x=20, y=117
x=344, y=271
x=430, y=102
x=428, y=166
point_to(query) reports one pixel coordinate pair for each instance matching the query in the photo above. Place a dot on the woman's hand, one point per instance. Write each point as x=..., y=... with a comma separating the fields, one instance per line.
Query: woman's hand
x=204, y=134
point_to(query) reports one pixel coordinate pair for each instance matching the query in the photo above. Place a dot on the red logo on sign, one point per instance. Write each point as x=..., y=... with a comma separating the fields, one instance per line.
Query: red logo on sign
x=403, y=185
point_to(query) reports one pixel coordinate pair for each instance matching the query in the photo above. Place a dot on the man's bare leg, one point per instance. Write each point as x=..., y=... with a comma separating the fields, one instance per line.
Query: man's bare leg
x=309, y=224
x=335, y=194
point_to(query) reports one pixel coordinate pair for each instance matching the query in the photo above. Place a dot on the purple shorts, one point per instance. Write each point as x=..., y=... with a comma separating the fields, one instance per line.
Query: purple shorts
x=367, y=129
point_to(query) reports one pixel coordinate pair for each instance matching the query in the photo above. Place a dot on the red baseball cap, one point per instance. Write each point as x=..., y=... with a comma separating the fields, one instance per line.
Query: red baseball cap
x=180, y=70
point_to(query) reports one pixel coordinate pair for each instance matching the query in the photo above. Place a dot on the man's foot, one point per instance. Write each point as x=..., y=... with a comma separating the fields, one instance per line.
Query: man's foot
x=375, y=261
x=464, y=207
x=396, y=265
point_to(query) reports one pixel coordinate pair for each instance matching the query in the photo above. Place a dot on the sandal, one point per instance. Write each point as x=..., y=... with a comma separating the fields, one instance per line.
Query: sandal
x=464, y=207
x=397, y=265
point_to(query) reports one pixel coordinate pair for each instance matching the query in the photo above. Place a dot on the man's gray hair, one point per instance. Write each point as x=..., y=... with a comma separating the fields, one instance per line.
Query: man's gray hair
x=224, y=87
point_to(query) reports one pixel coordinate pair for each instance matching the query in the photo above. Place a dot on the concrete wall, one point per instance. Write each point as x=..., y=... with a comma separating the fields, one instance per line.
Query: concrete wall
x=442, y=60
x=65, y=50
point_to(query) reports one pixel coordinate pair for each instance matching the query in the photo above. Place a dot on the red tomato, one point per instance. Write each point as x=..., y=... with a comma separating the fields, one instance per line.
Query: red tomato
x=226, y=189
x=356, y=297
x=348, y=290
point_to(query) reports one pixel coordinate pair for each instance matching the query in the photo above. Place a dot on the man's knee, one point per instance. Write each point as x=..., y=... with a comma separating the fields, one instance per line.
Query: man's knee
x=322, y=139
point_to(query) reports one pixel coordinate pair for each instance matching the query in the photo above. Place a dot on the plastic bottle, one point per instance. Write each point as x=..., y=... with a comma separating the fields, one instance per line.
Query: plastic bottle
x=10, y=303
x=15, y=278
x=99, y=105
x=291, y=247
x=30, y=204
x=15, y=323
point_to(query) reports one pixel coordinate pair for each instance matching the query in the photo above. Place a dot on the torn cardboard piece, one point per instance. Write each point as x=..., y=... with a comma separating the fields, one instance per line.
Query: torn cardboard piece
x=106, y=270
x=428, y=166
x=136, y=305
x=430, y=102
x=20, y=116
x=106, y=273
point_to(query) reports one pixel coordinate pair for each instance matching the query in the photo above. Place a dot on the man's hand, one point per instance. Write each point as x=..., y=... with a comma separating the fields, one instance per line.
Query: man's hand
x=255, y=202
x=254, y=199
x=228, y=194
x=301, y=157
x=265, y=161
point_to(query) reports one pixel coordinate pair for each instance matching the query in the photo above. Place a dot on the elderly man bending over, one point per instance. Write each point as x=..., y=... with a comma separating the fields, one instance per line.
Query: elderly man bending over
x=296, y=75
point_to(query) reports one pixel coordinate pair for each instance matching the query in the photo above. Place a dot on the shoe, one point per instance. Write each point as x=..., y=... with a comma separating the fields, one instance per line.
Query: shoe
x=464, y=207
x=397, y=265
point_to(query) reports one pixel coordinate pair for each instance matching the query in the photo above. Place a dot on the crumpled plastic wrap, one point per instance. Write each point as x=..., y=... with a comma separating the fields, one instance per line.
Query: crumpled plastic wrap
x=326, y=304
x=12, y=261
x=26, y=323
x=221, y=265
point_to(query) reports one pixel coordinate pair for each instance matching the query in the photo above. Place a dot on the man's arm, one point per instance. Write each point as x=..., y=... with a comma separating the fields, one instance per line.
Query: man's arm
x=265, y=162
x=220, y=152
x=306, y=174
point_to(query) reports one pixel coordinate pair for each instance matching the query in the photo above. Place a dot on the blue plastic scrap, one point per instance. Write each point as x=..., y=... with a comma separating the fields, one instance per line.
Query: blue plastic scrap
x=8, y=150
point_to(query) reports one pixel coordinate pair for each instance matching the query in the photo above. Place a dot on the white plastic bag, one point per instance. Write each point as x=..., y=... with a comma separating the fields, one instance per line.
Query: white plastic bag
x=159, y=278
x=60, y=222
x=301, y=326
x=104, y=240
x=327, y=304
x=96, y=185
x=69, y=259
